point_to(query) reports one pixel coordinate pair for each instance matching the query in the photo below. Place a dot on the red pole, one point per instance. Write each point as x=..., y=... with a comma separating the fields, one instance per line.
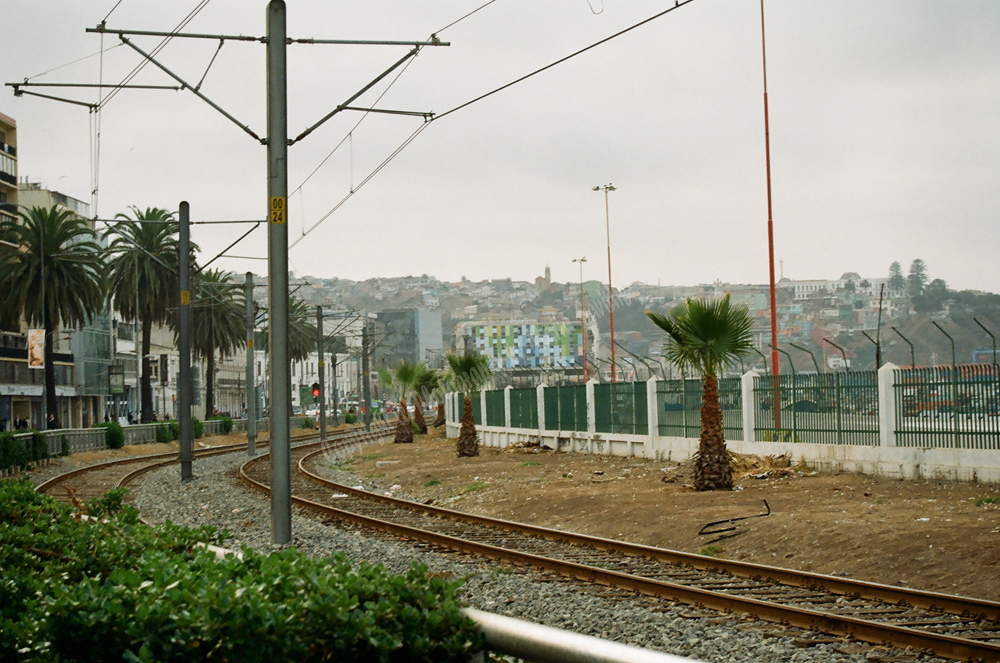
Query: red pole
x=776, y=399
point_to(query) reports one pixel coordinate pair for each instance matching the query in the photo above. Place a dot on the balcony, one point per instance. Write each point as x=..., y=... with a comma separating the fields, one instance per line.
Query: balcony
x=9, y=149
x=9, y=179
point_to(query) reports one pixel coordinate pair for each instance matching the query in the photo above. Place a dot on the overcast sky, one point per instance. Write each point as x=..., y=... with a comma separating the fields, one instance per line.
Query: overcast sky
x=885, y=135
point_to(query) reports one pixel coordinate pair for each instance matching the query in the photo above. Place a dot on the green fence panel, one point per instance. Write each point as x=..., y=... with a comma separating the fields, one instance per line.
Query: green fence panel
x=477, y=408
x=731, y=400
x=603, y=406
x=572, y=407
x=550, y=399
x=824, y=408
x=640, y=410
x=620, y=407
x=524, y=408
x=495, y=410
x=948, y=407
x=679, y=407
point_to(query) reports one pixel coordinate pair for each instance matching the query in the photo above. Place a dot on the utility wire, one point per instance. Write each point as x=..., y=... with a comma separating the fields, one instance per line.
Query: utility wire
x=139, y=67
x=459, y=20
x=112, y=11
x=678, y=5
x=420, y=129
x=85, y=57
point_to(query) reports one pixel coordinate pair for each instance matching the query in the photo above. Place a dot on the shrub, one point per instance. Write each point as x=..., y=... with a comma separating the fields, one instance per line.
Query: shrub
x=175, y=429
x=163, y=434
x=114, y=436
x=111, y=589
x=197, y=428
x=39, y=446
x=227, y=423
x=350, y=418
x=308, y=423
x=63, y=446
x=13, y=452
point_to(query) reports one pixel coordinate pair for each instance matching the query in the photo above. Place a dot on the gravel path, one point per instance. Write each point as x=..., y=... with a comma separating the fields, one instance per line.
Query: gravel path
x=215, y=497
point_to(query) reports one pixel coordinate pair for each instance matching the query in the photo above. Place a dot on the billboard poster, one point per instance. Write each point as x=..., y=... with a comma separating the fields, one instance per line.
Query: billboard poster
x=36, y=348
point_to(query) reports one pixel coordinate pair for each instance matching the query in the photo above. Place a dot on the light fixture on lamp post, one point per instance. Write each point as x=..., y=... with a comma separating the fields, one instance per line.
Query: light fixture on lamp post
x=583, y=320
x=611, y=297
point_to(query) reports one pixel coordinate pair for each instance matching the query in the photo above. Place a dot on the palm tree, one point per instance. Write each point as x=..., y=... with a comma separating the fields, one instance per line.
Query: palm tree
x=301, y=329
x=54, y=276
x=144, y=273
x=218, y=323
x=708, y=335
x=431, y=385
x=470, y=371
x=424, y=386
x=402, y=379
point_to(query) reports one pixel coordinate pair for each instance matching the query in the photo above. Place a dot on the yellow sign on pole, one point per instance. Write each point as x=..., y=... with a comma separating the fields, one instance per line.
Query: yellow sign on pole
x=185, y=297
x=278, y=209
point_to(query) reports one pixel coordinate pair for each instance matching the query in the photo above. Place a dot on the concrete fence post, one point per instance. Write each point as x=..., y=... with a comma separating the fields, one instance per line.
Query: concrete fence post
x=749, y=413
x=540, y=400
x=591, y=407
x=482, y=407
x=506, y=406
x=887, y=405
x=652, y=415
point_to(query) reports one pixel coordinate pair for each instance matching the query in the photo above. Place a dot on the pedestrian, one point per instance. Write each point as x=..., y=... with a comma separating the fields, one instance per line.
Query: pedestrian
x=53, y=423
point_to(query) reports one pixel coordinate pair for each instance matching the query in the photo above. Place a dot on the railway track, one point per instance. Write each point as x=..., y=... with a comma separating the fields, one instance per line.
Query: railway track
x=93, y=481
x=940, y=624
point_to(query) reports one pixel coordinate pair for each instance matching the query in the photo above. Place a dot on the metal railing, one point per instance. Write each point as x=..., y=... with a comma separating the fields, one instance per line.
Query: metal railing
x=566, y=408
x=620, y=407
x=950, y=407
x=524, y=408
x=678, y=405
x=823, y=408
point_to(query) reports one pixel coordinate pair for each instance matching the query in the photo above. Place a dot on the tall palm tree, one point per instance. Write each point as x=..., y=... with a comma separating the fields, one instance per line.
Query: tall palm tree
x=470, y=371
x=402, y=379
x=56, y=255
x=707, y=335
x=424, y=386
x=143, y=264
x=431, y=385
x=218, y=323
x=301, y=329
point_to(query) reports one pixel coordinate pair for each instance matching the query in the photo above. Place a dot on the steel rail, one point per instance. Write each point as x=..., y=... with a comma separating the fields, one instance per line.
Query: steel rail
x=861, y=629
x=805, y=579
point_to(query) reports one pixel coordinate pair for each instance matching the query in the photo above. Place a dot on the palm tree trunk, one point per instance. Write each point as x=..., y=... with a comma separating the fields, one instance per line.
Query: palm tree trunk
x=146, y=387
x=210, y=379
x=50, y=376
x=404, y=433
x=468, y=442
x=712, y=471
x=418, y=415
x=440, y=421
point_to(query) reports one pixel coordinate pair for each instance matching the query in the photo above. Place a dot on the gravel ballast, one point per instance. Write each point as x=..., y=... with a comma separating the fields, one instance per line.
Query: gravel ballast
x=216, y=497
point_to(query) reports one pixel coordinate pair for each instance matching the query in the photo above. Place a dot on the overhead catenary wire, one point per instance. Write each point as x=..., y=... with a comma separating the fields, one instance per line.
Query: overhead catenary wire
x=678, y=4
x=85, y=57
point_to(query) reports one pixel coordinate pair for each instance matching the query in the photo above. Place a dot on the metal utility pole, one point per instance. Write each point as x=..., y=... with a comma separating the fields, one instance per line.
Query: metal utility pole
x=277, y=268
x=770, y=229
x=611, y=296
x=319, y=374
x=365, y=343
x=184, y=384
x=583, y=320
x=251, y=382
x=333, y=385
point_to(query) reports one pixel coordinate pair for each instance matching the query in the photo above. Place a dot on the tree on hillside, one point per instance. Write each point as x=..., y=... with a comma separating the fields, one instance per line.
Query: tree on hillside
x=143, y=271
x=917, y=279
x=934, y=297
x=470, y=372
x=55, y=254
x=708, y=335
x=896, y=280
x=218, y=323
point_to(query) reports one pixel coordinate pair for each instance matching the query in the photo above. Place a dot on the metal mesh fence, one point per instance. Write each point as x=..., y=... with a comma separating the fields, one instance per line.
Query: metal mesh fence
x=951, y=407
x=620, y=407
x=495, y=415
x=824, y=408
x=566, y=408
x=523, y=408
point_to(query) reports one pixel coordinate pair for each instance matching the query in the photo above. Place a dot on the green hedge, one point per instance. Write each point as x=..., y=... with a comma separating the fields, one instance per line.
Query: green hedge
x=114, y=436
x=112, y=589
x=22, y=452
x=227, y=423
x=163, y=434
x=197, y=428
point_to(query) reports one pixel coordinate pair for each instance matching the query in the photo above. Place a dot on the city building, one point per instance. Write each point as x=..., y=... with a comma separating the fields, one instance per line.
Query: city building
x=8, y=167
x=411, y=335
x=522, y=343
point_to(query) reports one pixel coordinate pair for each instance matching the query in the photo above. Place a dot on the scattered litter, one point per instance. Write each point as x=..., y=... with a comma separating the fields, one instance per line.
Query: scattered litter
x=380, y=463
x=338, y=496
x=238, y=509
x=358, y=487
x=388, y=494
x=922, y=520
x=395, y=487
x=598, y=472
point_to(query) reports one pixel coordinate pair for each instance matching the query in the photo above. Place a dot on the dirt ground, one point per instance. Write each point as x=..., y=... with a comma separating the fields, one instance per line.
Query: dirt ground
x=932, y=535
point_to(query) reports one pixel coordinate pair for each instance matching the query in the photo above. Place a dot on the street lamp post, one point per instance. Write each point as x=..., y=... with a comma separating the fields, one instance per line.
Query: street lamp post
x=583, y=319
x=611, y=297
